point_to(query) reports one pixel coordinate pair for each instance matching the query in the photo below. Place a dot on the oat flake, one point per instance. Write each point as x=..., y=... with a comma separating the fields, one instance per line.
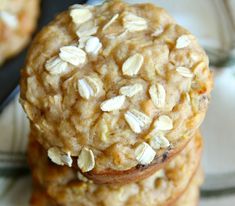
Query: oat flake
x=80, y=15
x=134, y=23
x=163, y=123
x=132, y=65
x=159, y=141
x=86, y=160
x=131, y=90
x=112, y=20
x=112, y=104
x=82, y=42
x=144, y=153
x=56, y=65
x=159, y=30
x=93, y=45
x=137, y=120
x=72, y=55
x=88, y=87
x=81, y=6
x=59, y=157
x=183, y=41
x=185, y=72
x=86, y=29
x=158, y=95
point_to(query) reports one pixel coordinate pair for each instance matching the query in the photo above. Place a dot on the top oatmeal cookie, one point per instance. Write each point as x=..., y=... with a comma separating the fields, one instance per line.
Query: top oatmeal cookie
x=17, y=22
x=113, y=87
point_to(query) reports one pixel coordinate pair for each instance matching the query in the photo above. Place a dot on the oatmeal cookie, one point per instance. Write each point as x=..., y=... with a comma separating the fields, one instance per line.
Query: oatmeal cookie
x=189, y=198
x=66, y=186
x=18, y=20
x=115, y=89
x=192, y=194
x=40, y=198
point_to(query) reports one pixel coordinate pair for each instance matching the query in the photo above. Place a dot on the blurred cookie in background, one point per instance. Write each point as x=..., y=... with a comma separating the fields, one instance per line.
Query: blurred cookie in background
x=18, y=19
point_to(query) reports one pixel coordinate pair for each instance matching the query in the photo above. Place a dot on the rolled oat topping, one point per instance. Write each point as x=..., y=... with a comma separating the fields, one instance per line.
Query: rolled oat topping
x=86, y=29
x=111, y=21
x=134, y=23
x=131, y=90
x=80, y=15
x=59, y=157
x=112, y=104
x=88, y=87
x=158, y=31
x=93, y=45
x=158, y=95
x=86, y=160
x=163, y=123
x=159, y=141
x=137, y=120
x=82, y=41
x=72, y=55
x=132, y=65
x=185, y=72
x=144, y=153
x=187, y=96
x=117, y=37
x=183, y=41
x=56, y=65
x=81, y=6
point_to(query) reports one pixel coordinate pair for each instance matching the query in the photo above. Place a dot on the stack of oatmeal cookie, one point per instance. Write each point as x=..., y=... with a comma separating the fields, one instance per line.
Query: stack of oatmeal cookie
x=115, y=95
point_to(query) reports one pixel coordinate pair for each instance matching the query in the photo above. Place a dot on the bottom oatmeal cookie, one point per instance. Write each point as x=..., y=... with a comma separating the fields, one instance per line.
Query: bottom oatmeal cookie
x=188, y=198
x=65, y=186
x=191, y=196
